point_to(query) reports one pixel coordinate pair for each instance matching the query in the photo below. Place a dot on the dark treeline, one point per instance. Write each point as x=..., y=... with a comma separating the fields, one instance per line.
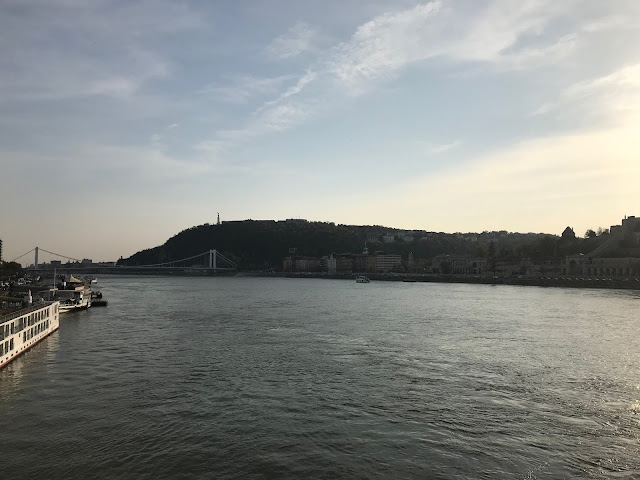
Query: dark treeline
x=263, y=244
x=8, y=269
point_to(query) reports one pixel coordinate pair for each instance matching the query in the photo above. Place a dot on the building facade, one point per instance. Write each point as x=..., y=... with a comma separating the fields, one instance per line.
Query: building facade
x=459, y=265
x=582, y=265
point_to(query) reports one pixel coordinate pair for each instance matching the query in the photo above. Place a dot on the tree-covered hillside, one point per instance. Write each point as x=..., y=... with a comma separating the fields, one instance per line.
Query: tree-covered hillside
x=263, y=244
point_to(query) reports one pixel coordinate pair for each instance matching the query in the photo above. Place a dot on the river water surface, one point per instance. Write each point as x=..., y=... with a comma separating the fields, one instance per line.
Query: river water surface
x=288, y=378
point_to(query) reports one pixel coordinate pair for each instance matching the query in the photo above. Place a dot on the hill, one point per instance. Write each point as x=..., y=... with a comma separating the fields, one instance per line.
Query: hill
x=259, y=244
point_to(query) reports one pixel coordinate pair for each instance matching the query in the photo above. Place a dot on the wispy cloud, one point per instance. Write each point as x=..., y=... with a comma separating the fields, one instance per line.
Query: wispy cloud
x=297, y=40
x=278, y=114
x=383, y=47
x=292, y=91
x=615, y=96
x=492, y=35
x=276, y=117
x=241, y=89
x=437, y=148
x=385, y=44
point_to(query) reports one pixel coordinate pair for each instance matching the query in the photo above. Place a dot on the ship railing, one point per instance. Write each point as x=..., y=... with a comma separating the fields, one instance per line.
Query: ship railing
x=23, y=311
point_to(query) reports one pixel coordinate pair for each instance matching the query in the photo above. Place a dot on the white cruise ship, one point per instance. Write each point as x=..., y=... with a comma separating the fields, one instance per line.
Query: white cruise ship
x=22, y=329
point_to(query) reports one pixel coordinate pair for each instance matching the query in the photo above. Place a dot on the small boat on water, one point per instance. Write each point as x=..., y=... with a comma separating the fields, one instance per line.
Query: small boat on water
x=362, y=279
x=97, y=300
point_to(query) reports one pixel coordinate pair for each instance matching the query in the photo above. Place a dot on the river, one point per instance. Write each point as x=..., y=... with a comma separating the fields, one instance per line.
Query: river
x=307, y=378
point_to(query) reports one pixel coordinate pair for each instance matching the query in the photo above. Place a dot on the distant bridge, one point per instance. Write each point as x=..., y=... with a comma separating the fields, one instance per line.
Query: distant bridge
x=210, y=261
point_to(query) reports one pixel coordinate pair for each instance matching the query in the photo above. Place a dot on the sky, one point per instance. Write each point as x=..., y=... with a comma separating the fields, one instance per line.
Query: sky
x=123, y=123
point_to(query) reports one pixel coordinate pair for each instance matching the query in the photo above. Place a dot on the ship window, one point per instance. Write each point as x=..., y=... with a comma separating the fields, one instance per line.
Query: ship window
x=6, y=346
x=1, y=352
x=11, y=344
x=24, y=336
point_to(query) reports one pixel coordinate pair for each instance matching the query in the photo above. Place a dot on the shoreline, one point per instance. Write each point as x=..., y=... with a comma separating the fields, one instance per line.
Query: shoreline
x=551, y=281
x=620, y=283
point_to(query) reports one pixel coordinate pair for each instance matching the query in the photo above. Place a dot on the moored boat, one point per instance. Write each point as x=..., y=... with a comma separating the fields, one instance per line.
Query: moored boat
x=74, y=295
x=97, y=300
x=362, y=279
x=22, y=329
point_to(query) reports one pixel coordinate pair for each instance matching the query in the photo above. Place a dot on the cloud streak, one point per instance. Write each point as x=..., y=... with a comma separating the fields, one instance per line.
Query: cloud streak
x=297, y=40
x=612, y=97
x=242, y=89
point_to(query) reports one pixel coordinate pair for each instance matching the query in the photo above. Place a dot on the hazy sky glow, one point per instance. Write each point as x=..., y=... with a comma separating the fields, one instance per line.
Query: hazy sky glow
x=122, y=123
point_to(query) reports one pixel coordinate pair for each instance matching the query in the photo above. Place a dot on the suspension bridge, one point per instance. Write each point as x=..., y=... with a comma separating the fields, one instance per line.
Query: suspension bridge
x=211, y=261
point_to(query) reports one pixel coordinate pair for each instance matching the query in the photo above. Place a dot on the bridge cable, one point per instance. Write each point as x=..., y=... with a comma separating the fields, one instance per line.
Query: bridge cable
x=176, y=261
x=226, y=259
x=23, y=255
x=58, y=255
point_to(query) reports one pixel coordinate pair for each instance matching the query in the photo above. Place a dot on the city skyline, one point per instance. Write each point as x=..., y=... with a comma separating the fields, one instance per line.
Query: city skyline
x=125, y=123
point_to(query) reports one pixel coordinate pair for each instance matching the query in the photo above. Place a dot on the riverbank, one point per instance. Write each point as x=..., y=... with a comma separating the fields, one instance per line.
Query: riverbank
x=570, y=282
x=625, y=283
